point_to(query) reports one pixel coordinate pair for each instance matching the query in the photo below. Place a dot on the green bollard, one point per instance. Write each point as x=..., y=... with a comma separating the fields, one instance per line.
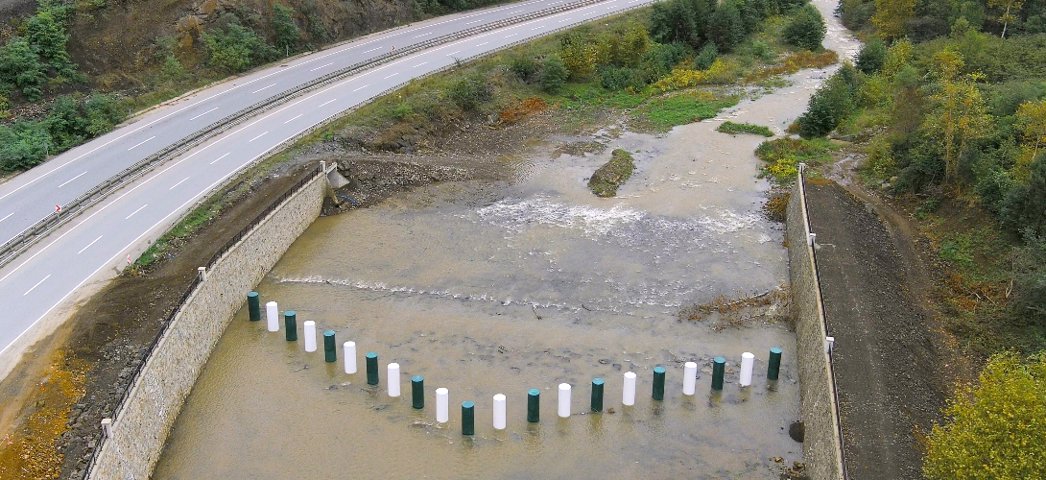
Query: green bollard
x=372, y=368
x=253, y=306
x=330, y=350
x=417, y=391
x=659, y=383
x=468, y=417
x=774, y=368
x=290, y=321
x=718, y=370
x=597, y=394
x=533, y=405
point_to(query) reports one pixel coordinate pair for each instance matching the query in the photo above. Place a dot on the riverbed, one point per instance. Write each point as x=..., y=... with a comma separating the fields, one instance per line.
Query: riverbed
x=488, y=288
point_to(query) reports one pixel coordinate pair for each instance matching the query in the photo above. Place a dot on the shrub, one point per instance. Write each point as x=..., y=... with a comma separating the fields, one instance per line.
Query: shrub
x=234, y=48
x=524, y=67
x=832, y=103
x=1022, y=209
x=471, y=92
x=553, y=73
x=783, y=156
x=706, y=56
x=660, y=59
x=997, y=428
x=23, y=145
x=725, y=27
x=20, y=67
x=1029, y=282
x=872, y=56
x=806, y=30
x=286, y=34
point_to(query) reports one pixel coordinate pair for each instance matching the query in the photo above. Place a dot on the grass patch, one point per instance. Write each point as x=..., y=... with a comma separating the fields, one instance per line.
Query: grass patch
x=613, y=174
x=181, y=232
x=783, y=156
x=736, y=128
x=663, y=113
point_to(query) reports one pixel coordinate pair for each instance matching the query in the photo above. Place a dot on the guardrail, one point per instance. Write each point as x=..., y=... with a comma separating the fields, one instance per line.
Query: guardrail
x=16, y=246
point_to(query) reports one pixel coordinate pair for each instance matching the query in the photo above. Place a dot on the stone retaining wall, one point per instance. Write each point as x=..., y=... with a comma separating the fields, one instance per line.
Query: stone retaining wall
x=822, y=446
x=144, y=419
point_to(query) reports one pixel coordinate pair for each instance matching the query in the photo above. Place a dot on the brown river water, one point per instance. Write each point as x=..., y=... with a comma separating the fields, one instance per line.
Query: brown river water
x=498, y=288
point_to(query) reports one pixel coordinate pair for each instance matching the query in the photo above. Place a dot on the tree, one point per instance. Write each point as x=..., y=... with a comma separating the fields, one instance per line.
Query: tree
x=891, y=16
x=725, y=27
x=872, y=57
x=959, y=114
x=830, y=105
x=1031, y=119
x=806, y=30
x=47, y=36
x=680, y=21
x=285, y=31
x=1006, y=17
x=997, y=428
x=20, y=66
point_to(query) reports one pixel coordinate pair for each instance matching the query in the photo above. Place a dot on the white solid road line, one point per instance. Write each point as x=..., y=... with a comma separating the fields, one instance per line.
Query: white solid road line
x=361, y=88
x=322, y=66
x=179, y=183
x=142, y=143
x=259, y=136
x=328, y=102
x=143, y=207
x=71, y=179
x=89, y=245
x=292, y=119
x=37, y=285
x=202, y=114
x=8, y=216
x=216, y=160
x=263, y=88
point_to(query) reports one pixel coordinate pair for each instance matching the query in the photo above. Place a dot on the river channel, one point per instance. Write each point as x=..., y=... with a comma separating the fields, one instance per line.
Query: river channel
x=488, y=288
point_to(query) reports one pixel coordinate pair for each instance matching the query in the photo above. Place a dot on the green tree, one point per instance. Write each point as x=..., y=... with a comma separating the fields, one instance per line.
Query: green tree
x=285, y=31
x=997, y=428
x=47, y=36
x=680, y=21
x=1010, y=9
x=23, y=145
x=830, y=105
x=872, y=56
x=20, y=67
x=891, y=17
x=725, y=27
x=234, y=48
x=553, y=73
x=1031, y=120
x=806, y=30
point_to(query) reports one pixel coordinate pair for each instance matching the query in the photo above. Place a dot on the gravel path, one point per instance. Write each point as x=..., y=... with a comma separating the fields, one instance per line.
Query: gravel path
x=886, y=354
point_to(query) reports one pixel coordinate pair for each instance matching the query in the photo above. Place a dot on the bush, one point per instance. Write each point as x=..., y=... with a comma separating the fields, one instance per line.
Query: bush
x=553, y=74
x=783, y=156
x=872, y=56
x=1029, y=282
x=725, y=27
x=706, y=57
x=806, y=30
x=470, y=92
x=21, y=68
x=234, y=48
x=286, y=34
x=1023, y=209
x=524, y=67
x=997, y=428
x=660, y=59
x=23, y=145
x=832, y=103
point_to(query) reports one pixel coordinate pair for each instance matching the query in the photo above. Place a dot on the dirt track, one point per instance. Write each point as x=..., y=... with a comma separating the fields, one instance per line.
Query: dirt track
x=886, y=354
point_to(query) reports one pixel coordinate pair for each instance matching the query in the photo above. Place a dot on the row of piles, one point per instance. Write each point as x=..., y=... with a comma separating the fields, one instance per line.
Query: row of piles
x=468, y=426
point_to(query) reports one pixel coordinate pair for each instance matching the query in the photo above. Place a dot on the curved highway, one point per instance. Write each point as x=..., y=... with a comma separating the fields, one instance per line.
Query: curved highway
x=98, y=244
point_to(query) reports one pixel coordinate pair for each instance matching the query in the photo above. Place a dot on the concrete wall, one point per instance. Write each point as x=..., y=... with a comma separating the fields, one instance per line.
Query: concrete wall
x=141, y=425
x=822, y=447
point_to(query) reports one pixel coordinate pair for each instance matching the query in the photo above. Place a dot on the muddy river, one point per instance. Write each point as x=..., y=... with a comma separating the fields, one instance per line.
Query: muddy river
x=498, y=288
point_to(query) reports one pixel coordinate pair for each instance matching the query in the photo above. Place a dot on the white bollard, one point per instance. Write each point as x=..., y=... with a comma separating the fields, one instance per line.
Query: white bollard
x=747, y=363
x=500, y=411
x=310, y=336
x=272, y=316
x=628, y=394
x=564, y=400
x=350, y=357
x=829, y=344
x=442, y=405
x=394, y=380
x=689, y=378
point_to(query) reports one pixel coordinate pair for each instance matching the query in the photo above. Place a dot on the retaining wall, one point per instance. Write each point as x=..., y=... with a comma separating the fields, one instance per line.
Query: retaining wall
x=822, y=445
x=149, y=409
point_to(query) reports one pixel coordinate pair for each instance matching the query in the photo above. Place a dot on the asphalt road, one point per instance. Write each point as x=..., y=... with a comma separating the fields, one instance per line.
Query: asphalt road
x=101, y=242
